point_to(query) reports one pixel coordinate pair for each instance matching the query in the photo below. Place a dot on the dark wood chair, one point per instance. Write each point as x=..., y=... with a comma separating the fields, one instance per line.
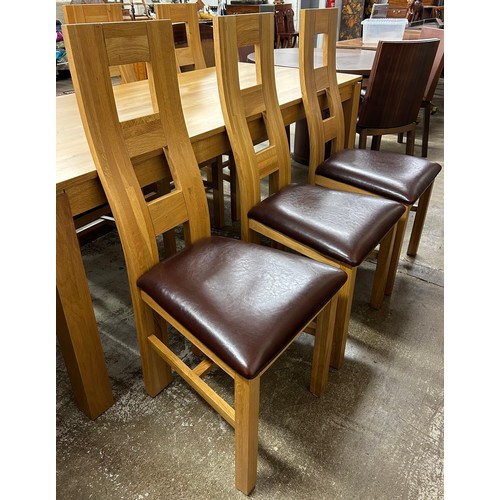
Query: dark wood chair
x=395, y=90
x=240, y=304
x=334, y=227
x=390, y=175
x=286, y=36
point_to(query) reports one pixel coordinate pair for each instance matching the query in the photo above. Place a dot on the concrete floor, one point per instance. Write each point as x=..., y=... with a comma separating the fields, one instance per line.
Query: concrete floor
x=376, y=434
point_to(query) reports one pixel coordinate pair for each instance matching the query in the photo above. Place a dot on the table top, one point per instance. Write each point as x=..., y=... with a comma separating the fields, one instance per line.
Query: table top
x=202, y=112
x=353, y=61
x=357, y=43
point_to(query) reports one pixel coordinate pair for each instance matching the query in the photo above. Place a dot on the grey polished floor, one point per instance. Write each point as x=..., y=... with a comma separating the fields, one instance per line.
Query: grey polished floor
x=376, y=434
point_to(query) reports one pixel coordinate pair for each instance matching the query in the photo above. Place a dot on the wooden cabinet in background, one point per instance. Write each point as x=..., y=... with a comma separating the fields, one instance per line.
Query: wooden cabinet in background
x=248, y=8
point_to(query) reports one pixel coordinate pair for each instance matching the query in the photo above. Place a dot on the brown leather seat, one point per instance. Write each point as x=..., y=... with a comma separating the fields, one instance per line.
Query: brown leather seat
x=322, y=219
x=390, y=175
x=234, y=312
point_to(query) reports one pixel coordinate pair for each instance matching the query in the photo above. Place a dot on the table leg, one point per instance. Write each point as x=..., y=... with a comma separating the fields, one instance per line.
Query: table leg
x=76, y=325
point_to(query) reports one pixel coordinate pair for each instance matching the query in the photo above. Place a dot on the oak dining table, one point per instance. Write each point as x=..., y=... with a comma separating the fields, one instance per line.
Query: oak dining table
x=78, y=190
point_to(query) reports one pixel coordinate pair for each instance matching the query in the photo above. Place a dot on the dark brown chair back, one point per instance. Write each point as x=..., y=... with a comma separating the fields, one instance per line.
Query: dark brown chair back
x=397, y=83
x=437, y=67
x=290, y=26
x=280, y=22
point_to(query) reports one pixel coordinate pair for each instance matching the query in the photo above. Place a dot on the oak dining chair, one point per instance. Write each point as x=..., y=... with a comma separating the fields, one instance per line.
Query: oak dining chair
x=389, y=175
x=334, y=227
x=105, y=12
x=240, y=304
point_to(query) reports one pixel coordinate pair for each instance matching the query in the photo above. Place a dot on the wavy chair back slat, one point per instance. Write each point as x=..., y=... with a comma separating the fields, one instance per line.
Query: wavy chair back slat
x=325, y=126
x=272, y=158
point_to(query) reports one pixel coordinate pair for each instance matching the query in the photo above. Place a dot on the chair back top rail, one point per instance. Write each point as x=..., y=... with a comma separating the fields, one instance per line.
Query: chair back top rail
x=92, y=48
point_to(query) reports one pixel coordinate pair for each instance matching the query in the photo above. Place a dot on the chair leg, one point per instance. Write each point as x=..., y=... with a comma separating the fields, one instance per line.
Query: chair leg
x=376, y=141
x=410, y=142
x=426, y=126
x=396, y=251
x=218, y=192
x=156, y=372
x=342, y=317
x=400, y=137
x=323, y=341
x=418, y=223
x=246, y=429
x=382, y=270
x=362, y=139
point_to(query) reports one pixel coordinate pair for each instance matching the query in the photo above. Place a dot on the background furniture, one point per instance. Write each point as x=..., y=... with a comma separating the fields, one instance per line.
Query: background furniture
x=395, y=90
x=247, y=8
x=286, y=36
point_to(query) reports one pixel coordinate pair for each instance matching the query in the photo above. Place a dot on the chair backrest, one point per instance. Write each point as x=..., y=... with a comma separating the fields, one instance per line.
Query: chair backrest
x=93, y=13
x=437, y=67
x=120, y=148
x=185, y=13
x=280, y=22
x=290, y=25
x=397, y=82
x=103, y=13
x=319, y=85
x=243, y=108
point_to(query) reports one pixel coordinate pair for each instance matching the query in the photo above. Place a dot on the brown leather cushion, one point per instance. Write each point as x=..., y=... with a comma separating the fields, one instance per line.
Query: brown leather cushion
x=245, y=302
x=340, y=225
x=395, y=176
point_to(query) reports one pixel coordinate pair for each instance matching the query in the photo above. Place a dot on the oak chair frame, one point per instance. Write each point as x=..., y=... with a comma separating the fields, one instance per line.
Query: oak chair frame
x=118, y=149
x=240, y=106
